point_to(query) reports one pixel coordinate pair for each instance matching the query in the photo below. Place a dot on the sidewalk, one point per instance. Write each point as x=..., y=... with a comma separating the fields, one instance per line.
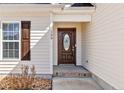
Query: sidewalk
x=60, y=83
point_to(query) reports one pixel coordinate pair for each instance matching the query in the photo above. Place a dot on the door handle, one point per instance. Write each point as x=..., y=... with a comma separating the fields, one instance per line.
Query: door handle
x=73, y=50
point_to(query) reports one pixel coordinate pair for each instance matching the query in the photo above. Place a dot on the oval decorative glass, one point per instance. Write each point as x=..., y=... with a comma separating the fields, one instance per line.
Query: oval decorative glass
x=66, y=42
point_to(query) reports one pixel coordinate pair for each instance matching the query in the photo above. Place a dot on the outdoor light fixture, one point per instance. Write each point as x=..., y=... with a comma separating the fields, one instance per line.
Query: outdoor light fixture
x=68, y=5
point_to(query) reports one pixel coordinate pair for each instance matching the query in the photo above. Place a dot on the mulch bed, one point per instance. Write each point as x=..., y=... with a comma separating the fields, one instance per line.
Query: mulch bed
x=18, y=82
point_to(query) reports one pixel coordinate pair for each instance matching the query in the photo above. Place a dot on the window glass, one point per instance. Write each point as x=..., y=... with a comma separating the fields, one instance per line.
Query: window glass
x=5, y=35
x=10, y=27
x=16, y=53
x=16, y=35
x=11, y=53
x=5, y=53
x=16, y=27
x=10, y=34
x=5, y=26
x=5, y=45
x=66, y=42
x=11, y=44
x=16, y=45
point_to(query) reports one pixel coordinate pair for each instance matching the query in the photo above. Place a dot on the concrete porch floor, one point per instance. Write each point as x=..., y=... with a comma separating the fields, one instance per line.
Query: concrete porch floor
x=71, y=77
x=60, y=83
x=70, y=71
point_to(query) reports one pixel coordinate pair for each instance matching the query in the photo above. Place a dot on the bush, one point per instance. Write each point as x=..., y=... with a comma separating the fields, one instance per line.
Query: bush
x=25, y=81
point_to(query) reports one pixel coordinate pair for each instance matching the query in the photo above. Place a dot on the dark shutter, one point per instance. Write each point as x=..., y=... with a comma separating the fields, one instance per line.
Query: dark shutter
x=25, y=40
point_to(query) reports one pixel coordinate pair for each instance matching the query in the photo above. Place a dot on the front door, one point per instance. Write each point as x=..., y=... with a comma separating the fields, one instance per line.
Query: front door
x=66, y=46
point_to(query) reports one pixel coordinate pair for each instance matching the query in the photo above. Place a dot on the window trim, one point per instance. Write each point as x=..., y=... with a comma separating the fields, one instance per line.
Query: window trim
x=13, y=59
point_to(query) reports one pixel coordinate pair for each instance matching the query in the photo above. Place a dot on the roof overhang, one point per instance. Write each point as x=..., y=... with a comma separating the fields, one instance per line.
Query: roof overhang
x=58, y=11
x=71, y=18
x=73, y=14
x=74, y=10
x=55, y=8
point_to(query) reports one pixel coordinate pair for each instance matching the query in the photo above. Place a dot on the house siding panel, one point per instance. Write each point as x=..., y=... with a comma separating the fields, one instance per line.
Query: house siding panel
x=105, y=44
x=39, y=43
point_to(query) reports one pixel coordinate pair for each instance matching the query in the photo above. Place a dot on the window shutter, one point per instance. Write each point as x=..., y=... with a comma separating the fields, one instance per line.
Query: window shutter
x=25, y=40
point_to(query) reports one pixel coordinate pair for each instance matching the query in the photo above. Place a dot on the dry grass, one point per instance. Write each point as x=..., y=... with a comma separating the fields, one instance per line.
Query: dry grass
x=24, y=81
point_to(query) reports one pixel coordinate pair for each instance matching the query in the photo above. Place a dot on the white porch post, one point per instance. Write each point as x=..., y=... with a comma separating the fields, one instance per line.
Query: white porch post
x=51, y=43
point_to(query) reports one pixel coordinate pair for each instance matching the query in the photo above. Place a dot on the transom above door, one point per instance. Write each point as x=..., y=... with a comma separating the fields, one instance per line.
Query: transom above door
x=66, y=46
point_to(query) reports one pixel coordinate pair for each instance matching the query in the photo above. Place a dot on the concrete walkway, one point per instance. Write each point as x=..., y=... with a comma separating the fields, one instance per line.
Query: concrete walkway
x=60, y=83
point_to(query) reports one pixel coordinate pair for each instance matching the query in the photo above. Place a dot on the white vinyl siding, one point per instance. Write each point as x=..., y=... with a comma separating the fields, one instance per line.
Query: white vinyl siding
x=40, y=41
x=105, y=44
x=83, y=43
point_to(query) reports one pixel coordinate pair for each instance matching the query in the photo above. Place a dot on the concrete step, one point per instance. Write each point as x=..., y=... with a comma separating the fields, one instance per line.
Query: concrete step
x=71, y=71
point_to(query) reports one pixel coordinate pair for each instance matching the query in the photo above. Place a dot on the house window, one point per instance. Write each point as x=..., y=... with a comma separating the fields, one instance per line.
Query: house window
x=10, y=42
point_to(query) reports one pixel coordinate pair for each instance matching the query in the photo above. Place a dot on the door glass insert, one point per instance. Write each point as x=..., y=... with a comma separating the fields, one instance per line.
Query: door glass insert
x=66, y=42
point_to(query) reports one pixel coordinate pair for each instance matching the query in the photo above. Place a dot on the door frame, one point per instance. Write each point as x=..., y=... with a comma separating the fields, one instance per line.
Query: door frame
x=73, y=29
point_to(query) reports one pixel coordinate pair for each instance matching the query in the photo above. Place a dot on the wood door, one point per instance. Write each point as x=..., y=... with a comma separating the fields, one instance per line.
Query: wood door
x=66, y=46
